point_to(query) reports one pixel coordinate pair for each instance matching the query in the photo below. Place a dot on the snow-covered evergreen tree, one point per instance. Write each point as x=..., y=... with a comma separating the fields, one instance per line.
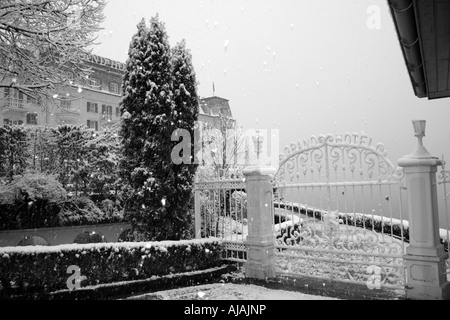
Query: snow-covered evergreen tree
x=184, y=116
x=158, y=191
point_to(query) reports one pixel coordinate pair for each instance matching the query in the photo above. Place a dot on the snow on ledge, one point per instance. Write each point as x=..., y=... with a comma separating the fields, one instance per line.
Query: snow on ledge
x=443, y=233
x=90, y=246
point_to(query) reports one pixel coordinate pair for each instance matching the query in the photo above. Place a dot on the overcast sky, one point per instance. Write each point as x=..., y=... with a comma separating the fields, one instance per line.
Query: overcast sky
x=303, y=67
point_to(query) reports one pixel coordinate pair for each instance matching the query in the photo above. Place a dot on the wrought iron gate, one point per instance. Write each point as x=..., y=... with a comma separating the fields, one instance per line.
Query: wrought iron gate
x=340, y=203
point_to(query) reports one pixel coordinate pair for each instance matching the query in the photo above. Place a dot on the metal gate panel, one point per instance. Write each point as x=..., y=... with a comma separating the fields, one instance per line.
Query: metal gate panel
x=342, y=203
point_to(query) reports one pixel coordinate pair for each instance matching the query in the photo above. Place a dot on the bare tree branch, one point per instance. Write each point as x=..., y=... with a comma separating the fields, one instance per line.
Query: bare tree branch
x=42, y=40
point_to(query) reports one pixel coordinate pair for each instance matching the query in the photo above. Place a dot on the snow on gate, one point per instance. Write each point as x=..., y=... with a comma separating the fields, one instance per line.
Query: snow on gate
x=221, y=212
x=344, y=197
x=443, y=190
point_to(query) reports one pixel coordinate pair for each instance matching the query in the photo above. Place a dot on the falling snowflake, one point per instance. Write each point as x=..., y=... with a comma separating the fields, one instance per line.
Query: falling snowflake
x=225, y=44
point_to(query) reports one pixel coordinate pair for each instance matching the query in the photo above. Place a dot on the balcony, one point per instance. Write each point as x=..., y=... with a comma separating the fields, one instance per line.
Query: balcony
x=14, y=104
x=107, y=119
x=67, y=115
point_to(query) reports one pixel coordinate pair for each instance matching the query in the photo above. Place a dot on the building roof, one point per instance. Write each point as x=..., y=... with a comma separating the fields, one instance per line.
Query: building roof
x=423, y=30
x=214, y=106
x=213, y=98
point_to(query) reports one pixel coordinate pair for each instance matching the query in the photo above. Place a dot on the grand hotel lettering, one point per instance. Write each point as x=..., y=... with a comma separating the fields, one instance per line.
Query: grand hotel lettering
x=105, y=62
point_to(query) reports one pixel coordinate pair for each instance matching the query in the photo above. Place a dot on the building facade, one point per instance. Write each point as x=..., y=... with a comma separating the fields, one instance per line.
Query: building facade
x=95, y=103
x=212, y=108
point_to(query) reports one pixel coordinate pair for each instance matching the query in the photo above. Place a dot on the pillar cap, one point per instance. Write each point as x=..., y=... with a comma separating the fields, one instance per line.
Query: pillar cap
x=259, y=170
x=411, y=161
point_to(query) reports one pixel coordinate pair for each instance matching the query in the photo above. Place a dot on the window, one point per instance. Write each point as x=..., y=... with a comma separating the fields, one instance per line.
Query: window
x=114, y=87
x=107, y=112
x=30, y=99
x=66, y=104
x=32, y=118
x=92, y=107
x=106, y=109
x=95, y=82
x=92, y=124
x=117, y=112
x=7, y=121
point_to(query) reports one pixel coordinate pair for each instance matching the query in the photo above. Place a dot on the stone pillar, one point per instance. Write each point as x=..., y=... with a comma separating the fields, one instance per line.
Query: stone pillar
x=260, y=239
x=425, y=256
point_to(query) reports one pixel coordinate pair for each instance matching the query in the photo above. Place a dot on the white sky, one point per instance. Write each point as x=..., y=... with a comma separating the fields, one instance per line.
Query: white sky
x=305, y=67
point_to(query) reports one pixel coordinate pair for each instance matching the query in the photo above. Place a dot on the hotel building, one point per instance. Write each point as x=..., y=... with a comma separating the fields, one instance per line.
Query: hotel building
x=94, y=103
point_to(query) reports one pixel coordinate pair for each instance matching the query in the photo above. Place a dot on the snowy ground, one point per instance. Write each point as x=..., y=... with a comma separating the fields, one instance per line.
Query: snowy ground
x=228, y=291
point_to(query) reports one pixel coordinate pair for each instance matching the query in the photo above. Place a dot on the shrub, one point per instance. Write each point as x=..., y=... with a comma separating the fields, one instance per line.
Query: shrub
x=44, y=269
x=239, y=204
x=13, y=151
x=126, y=235
x=83, y=211
x=218, y=206
x=83, y=162
x=31, y=200
x=33, y=241
x=36, y=200
x=130, y=235
x=90, y=237
x=111, y=208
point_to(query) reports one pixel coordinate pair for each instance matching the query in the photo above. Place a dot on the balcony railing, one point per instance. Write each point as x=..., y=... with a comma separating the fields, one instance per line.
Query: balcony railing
x=67, y=115
x=16, y=104
x=70, y=112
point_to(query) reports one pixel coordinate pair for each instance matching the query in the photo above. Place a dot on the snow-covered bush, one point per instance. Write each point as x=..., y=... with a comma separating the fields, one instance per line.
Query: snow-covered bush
x=31, y=201
x=239, y=204
x=45, y=269
x=83, y=211
x=84, y=162
x=103, y=159
x=36, y=200
x=13, y=151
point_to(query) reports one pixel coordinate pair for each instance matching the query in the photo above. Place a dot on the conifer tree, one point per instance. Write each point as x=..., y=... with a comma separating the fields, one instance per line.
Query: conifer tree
x=185, y=115
x=158, y=191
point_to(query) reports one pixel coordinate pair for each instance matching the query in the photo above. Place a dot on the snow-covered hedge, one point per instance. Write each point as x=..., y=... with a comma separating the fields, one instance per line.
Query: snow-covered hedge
x=83, y=160
x=39, y=269
x=399, y=228
x=37, y=200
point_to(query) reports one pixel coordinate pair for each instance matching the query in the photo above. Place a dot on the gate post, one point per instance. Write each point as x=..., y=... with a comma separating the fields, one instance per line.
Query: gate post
x=260, y=239
x=425, y=256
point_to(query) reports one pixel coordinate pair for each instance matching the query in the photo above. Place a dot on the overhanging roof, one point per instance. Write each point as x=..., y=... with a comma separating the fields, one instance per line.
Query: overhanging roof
x=423, y=30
